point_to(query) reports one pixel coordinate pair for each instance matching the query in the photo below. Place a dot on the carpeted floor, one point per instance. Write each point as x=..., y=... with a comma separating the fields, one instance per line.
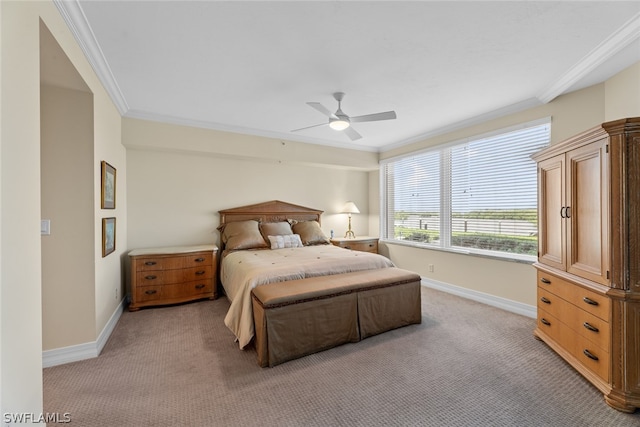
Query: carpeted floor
x=467, y=364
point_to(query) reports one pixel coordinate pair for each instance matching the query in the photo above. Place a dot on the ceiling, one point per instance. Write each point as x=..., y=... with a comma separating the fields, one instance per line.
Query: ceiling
x=250, y=67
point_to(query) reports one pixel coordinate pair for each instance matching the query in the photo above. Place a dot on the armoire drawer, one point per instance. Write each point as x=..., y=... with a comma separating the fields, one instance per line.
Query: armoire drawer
x=586, y=299
x=580, y=321
x=583, y=350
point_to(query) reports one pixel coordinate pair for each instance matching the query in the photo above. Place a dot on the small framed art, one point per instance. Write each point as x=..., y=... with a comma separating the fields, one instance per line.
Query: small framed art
x=108, y=236
x=108, y=194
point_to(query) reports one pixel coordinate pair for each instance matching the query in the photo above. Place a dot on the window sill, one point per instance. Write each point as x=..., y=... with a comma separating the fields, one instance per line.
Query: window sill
x=523, y=259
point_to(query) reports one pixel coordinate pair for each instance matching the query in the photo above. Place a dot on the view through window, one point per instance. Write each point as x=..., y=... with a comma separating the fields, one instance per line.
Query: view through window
x=479, y=195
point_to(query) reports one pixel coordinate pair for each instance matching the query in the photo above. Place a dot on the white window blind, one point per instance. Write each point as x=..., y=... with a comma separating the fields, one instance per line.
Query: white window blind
x=479, y=195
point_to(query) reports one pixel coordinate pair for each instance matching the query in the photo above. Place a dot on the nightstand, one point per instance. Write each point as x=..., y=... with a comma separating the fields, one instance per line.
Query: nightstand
x=171, y=275
x=363, y=244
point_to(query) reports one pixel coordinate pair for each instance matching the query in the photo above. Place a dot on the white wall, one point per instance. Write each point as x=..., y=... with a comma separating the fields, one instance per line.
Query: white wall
x=622, y=96
x=176, y=191
x=67, y=201
x=20, y=294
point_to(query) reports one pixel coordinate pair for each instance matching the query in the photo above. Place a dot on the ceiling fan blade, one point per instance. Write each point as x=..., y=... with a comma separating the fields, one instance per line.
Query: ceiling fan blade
x=352, y=134
x=322, y=109
x=387, y=115
x=309, y=127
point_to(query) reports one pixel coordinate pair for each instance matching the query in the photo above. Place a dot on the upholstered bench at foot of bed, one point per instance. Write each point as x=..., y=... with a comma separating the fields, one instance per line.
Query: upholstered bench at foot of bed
x=300, y=317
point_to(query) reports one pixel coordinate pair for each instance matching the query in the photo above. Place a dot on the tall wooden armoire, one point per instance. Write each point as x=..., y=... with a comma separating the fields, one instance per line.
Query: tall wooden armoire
x=588, y=267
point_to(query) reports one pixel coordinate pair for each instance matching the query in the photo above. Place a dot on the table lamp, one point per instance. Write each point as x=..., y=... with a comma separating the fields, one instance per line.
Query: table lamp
x=350, y=208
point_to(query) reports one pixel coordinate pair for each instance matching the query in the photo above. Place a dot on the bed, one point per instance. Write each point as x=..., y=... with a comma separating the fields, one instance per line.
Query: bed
x=276, y=242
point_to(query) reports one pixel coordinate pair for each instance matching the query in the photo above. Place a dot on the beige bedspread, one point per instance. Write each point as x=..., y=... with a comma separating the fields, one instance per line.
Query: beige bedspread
x=242, y=271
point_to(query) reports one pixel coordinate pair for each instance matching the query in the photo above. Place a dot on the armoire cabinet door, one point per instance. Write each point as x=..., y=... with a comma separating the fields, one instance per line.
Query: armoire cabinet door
x=551, y=206
x=587, y=212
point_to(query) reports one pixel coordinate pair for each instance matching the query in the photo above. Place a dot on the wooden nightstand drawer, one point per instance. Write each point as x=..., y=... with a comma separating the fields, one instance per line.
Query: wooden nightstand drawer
x=150, y=293
x=197, y=273
x=362, y=244
x=159, y=277
x=159, y=263
x=172, y=275
x=198, y=260
x=182, y=290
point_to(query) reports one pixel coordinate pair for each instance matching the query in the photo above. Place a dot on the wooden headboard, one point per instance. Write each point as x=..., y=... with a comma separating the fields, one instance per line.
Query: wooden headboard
x=272, y=211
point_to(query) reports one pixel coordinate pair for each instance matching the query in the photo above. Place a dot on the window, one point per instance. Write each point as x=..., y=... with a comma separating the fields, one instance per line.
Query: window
x=476, y=196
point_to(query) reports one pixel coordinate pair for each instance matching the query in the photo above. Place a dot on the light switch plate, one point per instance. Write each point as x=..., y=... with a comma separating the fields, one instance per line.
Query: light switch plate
x=45, y=227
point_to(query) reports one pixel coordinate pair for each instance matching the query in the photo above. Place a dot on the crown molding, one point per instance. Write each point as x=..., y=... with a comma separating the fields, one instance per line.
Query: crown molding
x=77, y=22
x=617, y=41
x=180, y=121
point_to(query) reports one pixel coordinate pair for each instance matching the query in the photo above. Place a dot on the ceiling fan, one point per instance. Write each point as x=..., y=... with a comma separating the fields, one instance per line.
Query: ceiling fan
x=340, y=121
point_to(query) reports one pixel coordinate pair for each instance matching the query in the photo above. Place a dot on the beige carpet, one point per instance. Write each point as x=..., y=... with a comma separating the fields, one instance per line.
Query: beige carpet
x=467, y=364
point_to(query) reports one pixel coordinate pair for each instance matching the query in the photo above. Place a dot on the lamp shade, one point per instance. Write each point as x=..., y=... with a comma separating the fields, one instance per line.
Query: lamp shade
x=350, y=208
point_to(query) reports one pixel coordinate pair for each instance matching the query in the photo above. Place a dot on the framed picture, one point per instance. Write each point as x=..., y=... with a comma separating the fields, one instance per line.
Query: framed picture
x=108, y=236
x=108, y=197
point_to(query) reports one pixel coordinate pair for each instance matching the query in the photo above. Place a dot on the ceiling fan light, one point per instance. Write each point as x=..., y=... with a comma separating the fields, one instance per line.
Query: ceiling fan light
x=339, y=124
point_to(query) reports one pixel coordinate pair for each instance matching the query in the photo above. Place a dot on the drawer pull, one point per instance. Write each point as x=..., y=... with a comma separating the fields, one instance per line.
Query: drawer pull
x=590, y=327
x=545, y=322
x=589, y=301
x=150, y=263
x=150, y=292
x=590, y=355
x=150, y=277
x=545, y=300
x=200, y=273
x=200, y=286
x=199, y=259
x=545, y=281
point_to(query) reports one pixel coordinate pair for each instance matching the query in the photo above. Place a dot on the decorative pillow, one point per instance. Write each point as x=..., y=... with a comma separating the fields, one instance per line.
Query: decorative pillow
x=310, y=232
x=242, y=235
x=285, y=241
x=281, y=228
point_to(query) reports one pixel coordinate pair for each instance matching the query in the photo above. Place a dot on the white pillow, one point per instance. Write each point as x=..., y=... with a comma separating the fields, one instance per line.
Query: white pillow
x=285, y=241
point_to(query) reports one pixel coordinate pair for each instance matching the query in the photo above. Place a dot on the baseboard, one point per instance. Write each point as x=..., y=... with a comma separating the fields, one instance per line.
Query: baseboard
x=89, y=350
x=492, y=300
